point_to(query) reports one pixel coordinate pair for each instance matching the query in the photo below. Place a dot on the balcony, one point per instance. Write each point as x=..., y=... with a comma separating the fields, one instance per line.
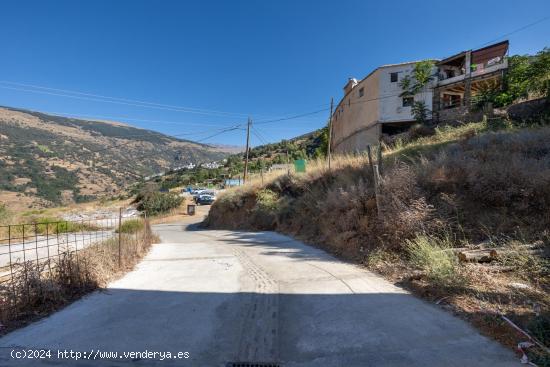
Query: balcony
x=445, y=79
x=498, y=63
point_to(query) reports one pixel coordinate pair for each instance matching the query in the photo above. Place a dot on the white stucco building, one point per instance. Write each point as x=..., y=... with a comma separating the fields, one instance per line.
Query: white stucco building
x=372, y=106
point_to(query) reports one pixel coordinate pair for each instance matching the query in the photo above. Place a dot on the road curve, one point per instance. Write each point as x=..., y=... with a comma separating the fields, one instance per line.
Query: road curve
x=228, y=296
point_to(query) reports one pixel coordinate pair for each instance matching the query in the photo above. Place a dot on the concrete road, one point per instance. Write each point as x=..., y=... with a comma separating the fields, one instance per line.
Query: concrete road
x=226, y=296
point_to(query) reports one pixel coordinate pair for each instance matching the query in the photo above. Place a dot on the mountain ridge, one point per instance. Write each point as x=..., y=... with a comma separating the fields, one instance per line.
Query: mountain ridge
x=48, y=160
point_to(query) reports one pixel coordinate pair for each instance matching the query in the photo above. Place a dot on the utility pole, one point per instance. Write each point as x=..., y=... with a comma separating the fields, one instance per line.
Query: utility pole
x=329, y=133
x=246, y=154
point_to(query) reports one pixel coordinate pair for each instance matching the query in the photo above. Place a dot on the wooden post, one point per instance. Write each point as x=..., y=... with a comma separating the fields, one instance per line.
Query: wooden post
x=329, y=155
x=379, y=159
x=369, y=153
x=377, y=190
x=246, y=154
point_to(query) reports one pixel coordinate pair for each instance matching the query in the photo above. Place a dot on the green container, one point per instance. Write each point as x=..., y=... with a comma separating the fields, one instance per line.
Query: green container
x=300, y=165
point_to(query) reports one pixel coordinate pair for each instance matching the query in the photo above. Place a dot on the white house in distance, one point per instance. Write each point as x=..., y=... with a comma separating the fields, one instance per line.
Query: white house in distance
x=373, y=106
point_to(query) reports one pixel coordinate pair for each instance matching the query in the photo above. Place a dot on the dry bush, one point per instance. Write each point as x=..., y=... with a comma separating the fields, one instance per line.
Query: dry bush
x=526, y=261
x=499, y=181
x=491, y=183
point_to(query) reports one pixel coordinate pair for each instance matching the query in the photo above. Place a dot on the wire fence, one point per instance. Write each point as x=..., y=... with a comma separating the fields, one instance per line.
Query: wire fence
x=43, y=261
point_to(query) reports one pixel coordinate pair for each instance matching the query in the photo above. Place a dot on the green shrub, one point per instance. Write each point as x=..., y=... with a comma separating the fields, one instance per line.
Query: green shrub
x=266, y=209
x=433, y=256
x=131, y=226
x=157, y=202
x=266, y=200
x=53, y=225
x=5, y=214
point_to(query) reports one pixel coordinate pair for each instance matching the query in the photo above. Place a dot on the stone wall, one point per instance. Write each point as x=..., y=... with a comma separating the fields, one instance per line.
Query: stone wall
x=529, y=109
x=457, y=114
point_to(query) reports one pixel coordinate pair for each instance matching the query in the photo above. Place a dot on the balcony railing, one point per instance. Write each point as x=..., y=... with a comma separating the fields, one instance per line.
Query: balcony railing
x=475, y=70
x=489, y=66
x=444, y=105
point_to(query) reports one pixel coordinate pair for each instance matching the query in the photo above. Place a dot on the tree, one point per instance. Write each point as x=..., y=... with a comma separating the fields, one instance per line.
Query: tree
x=516, y=83
x=526, y=76
x=422, y=74
x=420, y=112
x=416, y=83
x=539, y=74
x=322, y=149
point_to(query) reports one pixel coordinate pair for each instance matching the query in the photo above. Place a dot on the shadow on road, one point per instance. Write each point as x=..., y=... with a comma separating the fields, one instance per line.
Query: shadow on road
x=310, y=330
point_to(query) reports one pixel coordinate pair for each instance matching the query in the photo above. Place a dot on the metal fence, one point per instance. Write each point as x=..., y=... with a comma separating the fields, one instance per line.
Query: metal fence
x=33, y=254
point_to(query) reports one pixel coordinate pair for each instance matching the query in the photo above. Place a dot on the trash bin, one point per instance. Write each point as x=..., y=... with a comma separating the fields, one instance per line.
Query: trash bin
x=300, y=165
x=191, y=209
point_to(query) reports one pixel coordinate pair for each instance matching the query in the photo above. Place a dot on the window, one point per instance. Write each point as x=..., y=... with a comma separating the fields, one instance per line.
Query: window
x=393, y=77
x=408, y=101
x=361, y=92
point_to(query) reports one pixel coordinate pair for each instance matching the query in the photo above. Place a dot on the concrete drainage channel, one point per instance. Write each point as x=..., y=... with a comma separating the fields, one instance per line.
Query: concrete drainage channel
x=252, y=364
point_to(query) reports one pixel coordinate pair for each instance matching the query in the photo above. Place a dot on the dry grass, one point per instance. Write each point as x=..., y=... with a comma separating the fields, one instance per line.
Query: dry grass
x=37, y=290
x=433, y=256
x=460, y=187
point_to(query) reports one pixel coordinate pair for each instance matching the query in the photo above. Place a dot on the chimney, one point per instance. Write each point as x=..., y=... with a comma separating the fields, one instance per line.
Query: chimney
x=352, y=82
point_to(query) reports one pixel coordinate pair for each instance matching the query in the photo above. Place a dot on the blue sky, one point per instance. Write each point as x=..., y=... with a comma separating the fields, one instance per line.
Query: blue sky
x=227, y=60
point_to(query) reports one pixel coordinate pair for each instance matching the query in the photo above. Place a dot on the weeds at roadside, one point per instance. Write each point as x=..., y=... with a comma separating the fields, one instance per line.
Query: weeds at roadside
x=131, y=226
x=434, y=256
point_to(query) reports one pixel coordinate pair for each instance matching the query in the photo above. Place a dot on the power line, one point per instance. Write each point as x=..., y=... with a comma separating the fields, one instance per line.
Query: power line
x=290, y=117
x=175, y=135
x=108, y=99
x=152, y=132
x=516, y=30
x=262, y=135
x=219, y=133
x=258, y=135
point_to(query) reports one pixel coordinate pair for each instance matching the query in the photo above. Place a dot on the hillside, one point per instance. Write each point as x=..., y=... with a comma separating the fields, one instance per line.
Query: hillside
x=47, y=160
x=310, y=145
x=478, y=188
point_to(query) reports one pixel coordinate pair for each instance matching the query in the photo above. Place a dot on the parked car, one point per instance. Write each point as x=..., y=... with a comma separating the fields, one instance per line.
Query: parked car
x=205, y=199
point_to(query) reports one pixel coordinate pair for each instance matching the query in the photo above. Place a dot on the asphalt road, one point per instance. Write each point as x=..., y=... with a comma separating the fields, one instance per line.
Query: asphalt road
x=227, y=296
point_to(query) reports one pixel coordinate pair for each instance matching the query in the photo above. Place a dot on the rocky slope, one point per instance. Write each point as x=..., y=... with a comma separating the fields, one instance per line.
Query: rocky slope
x=47, y=160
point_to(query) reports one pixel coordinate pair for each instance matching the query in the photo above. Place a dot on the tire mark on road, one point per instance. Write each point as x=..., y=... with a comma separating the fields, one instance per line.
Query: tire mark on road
x=259, y=339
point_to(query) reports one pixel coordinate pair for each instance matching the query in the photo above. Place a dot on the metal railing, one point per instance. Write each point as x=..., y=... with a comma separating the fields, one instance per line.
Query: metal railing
x=36, y=255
